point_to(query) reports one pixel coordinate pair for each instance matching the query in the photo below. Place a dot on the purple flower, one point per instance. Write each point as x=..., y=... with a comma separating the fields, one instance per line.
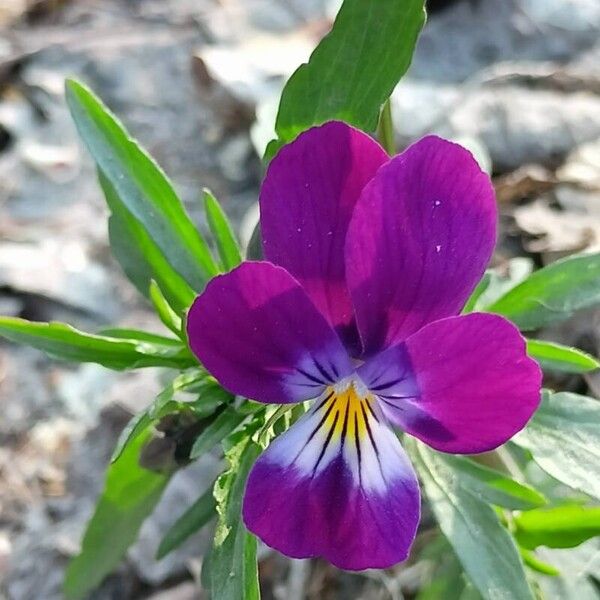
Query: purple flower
x=370, y=263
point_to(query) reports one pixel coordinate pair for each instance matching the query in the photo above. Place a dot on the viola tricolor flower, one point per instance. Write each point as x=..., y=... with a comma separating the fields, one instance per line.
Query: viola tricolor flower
x=370, y=261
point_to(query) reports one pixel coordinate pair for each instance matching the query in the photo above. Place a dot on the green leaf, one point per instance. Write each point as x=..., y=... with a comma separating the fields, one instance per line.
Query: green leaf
x=556, y=357
x=137, y=425
x=553, y=293
x=445, y=580
x=140, y=335
x=166, y=314
x=191, y=521
x=483, y=546
x=353, y=70
x=533, y=562
x=501, y=280
x=165, y=404
x=220, y=428
x=564, y=440
x=229, y=250
x=130, y=494
x=495, y=284
x=577, y=567
x=564, y=526
x=67, y=343
x=229, y=572
x=492, y=486
x=141, y=186
x=477, y=293
x=139, y=256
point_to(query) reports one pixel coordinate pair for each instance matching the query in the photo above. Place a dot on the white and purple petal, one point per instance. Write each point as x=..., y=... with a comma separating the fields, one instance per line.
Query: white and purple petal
x=462, y=385
x=337, y=484
x=419, y=240
x=259, y=334
x=306, y=202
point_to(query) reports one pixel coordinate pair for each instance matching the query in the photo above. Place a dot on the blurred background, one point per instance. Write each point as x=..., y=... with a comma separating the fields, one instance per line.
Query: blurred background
x=197, y=82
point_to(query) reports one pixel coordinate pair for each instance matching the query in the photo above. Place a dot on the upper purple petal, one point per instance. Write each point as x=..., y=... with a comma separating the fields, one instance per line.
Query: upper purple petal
x=306, y=201
x=332, y=486
x=258, y=333
x=462, y=385
x=419, y=240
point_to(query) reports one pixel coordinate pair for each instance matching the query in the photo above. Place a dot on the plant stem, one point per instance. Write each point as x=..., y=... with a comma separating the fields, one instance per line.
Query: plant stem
x=385, y=129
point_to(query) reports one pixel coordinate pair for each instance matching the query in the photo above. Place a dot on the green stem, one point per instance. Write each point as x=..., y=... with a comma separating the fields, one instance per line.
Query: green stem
x=385, y=129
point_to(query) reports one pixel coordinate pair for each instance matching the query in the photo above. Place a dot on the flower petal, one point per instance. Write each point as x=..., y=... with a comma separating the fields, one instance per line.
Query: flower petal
x=306, y=202
x=258, y=333
x=336, y=484
x=419, y=240
x=462, y=385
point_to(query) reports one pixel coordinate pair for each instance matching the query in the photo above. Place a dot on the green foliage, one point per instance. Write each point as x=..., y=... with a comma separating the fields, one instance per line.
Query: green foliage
x=139, y=256
x=553, y=293
x=534, y=563
x=577, y=568
x=484, y=547
x=564, y=440
x=227, y=245
x=166, y=314
x=493, y=285
x=141, y=186
x=130, y=494
x=348, y=77
x=191, y=521
x=224, y=424
x=556, y=357
x=353, y=70
x=67, y=343
x=203, y=398
x=229, y=572
x=492, y=486
x=563, y=526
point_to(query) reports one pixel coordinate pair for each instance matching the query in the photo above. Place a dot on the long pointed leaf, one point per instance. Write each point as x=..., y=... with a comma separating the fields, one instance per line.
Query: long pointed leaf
x=483, y=546
x=141, y=185
x=354, y=68
x=67, y=343
x=130, y=494
x=229, y=250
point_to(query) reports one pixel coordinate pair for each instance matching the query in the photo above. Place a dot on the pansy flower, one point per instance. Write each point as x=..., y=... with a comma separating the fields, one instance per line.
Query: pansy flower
x=369, y=261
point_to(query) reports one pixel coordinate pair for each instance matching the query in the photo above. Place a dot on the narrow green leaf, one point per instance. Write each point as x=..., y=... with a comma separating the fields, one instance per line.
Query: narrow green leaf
x=493, y=284
x=533, y=562
x=137, y=425
x=564, y=440
x=229, y=250
x=162, y=405
x=483, y=546
x=492, y=486
x=564, y=526
x=479, y=290
x=141, y=336
x=229, y=572
x=556, y=357
x=191, y=521
x=553, y=293
x=67, y=343
x=139, y=256
x=141, y=185
x=130, y=494
x=166, y=314
x=353, y=70
x=220, y=428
